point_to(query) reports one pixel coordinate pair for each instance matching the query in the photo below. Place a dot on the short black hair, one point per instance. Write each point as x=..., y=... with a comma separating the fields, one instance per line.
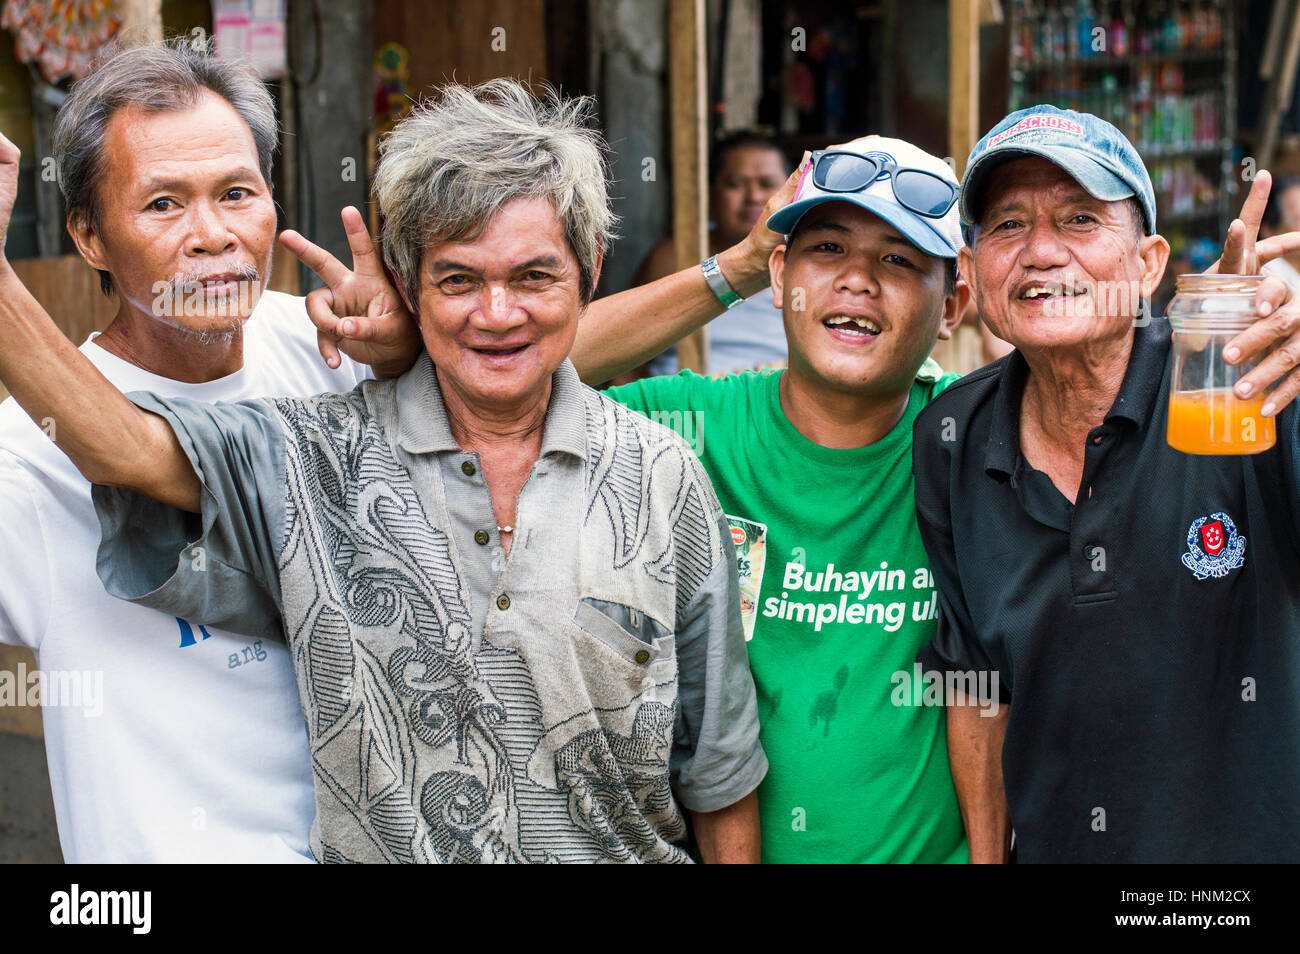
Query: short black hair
x=1273, y=211
x=1139, y=217
x=745, y=139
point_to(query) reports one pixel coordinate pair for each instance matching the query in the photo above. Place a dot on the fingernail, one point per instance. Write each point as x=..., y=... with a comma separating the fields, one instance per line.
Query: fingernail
x=349, y=327
x=1265, y=307
x=1244, y=388
x=1268, y=409
x=1232, y=354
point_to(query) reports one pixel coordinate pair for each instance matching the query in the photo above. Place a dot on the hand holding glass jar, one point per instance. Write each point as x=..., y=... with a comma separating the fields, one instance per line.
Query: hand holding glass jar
x=1206, y=416
x=1271, y=343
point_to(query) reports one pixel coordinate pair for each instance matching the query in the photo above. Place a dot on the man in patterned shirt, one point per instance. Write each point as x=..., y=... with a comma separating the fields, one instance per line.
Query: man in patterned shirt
x=511, y=603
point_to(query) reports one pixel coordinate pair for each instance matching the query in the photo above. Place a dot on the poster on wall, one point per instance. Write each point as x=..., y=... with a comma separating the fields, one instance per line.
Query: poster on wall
x=252, y=30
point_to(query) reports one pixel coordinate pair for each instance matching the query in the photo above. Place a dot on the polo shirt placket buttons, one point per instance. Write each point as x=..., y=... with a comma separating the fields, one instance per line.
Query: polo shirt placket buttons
x=481, y=537
x=503, y=602
x=468, y=469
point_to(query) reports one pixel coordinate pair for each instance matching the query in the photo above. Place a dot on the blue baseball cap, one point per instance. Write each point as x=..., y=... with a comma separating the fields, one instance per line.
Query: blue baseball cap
x=1095, y=154
x=939, y=237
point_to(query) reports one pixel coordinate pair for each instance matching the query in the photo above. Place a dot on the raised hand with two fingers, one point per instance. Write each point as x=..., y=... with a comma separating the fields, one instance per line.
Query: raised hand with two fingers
x=1272, y=343
x=358, y=313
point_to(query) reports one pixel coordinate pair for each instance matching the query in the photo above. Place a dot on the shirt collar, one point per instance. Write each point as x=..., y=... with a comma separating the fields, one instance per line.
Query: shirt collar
x=1134, y=403
x=423, y=428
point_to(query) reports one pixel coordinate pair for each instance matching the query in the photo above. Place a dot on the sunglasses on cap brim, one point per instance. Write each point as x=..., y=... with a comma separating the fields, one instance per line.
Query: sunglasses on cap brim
x=916, y=190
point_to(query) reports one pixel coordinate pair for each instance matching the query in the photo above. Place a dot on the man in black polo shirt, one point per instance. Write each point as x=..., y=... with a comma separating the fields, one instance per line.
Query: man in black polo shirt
x=1149, y=712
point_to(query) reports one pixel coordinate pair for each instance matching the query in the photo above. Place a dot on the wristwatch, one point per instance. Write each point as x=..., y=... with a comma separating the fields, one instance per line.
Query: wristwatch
x=718, y=282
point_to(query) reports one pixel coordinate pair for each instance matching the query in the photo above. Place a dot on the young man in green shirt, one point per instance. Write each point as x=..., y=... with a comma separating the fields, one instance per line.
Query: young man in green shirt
x=813, y=466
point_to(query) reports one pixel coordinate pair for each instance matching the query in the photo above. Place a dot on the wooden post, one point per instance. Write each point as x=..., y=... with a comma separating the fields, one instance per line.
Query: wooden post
x=961, y=353
x=963, y=79
x=687, y=77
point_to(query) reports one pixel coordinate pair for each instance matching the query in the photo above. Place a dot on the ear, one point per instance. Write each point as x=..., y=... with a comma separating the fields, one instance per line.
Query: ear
x=600, y=263
x=954, y=308
x=89, y=244
x=966, y=267
x=1154, y=251
x=776, y=269
x=401, y=291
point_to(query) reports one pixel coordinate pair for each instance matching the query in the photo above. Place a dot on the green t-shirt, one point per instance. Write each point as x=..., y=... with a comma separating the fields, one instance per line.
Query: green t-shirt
x=838, y=600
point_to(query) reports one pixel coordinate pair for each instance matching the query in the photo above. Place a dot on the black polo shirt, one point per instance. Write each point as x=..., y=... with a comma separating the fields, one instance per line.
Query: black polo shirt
x=1152, y=667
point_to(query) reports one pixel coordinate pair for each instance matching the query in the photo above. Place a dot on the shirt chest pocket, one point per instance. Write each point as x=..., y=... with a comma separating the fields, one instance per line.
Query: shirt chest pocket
x=622, y=651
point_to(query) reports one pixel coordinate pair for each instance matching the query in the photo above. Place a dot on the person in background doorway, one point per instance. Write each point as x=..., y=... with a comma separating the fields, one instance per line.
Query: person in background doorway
x=745, y=170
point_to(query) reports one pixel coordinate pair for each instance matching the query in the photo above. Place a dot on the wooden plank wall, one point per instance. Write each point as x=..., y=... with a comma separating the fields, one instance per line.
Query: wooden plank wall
x=455, y=39
x=69, y=290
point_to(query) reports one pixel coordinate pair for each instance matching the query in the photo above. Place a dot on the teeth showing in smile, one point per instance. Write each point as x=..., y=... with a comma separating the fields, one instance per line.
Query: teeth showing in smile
x=1047, y=290
x=850, y=325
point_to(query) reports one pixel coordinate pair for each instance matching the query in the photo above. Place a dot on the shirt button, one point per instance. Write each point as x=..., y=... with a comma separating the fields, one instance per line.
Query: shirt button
x=481, y=538
x=503, y=602
x=642, y=657
x=468, y=468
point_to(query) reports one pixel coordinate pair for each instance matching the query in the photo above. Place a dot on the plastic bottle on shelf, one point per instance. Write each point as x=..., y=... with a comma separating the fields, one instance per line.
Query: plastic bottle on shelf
x=1043, y=35
x=1147, y=25
x=1186, y=26
x=1023, y=49
x=1112, y=105
x=1171, y=41
x=1200, y=25
x=1059, y=48
x=1119, y=30
x=1085, y=20
x=1216, y=24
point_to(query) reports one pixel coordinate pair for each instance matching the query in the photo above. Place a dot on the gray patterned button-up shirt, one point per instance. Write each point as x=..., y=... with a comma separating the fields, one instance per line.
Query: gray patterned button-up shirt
x=563, y=703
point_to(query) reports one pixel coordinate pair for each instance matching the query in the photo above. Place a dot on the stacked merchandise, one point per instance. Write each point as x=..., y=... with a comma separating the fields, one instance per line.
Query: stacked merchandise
x=1162, y=72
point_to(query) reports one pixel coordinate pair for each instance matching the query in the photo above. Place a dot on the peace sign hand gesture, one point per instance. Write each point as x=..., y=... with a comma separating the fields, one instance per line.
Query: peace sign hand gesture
x=1273, y=341
x=358, y=312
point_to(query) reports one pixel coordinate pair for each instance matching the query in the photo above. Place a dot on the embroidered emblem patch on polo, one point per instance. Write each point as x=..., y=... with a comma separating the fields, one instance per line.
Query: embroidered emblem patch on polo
x=1213, y=546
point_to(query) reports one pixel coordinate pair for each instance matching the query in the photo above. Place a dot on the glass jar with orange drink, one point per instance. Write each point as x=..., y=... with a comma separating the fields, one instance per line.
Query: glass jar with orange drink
x=1205, y=416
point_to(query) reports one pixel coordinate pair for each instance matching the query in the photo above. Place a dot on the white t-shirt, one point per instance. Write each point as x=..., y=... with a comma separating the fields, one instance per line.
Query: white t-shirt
x=170, y=740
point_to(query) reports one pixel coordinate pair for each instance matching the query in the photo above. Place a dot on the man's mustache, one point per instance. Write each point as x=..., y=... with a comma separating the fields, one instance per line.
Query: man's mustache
x=185, y=282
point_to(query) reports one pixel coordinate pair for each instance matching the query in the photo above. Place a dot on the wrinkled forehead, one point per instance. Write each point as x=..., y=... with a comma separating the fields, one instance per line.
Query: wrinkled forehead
x=187, y=141
x=1027, y=178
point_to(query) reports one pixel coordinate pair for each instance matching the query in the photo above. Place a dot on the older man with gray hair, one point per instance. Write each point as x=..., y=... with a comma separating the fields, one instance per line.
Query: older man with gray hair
x=1138, y=606
x=188, y=745
x=511, y=603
